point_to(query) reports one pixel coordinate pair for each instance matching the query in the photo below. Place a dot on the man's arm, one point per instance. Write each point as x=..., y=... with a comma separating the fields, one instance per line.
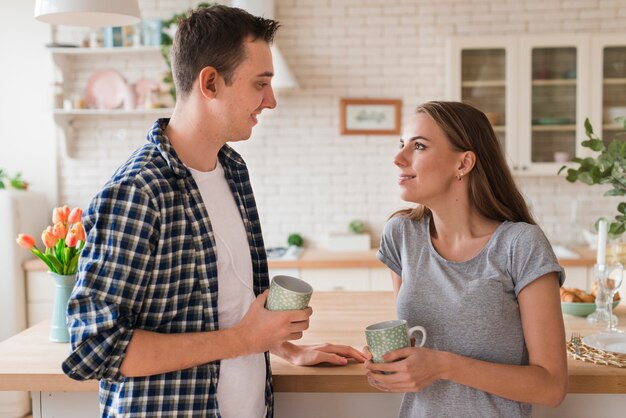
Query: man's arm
x=150, y=353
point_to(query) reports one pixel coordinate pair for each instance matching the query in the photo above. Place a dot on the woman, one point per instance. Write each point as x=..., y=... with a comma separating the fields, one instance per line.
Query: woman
x=469, y=264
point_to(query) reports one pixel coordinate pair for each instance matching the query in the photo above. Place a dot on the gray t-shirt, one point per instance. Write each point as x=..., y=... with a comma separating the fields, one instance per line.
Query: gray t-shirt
x=469, y=308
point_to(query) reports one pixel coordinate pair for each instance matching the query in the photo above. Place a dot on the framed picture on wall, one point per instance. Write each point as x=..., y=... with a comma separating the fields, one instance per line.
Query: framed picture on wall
x=370, y=116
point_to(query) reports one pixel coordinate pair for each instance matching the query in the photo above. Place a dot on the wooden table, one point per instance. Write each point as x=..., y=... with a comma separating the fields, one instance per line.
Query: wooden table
x=29, y=362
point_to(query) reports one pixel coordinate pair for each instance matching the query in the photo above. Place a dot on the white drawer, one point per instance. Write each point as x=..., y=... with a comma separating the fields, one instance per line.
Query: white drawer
x=380, y=279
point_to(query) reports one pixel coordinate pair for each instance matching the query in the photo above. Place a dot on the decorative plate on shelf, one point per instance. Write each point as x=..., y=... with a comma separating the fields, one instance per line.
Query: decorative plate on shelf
x=105, y=89
x=607, y=341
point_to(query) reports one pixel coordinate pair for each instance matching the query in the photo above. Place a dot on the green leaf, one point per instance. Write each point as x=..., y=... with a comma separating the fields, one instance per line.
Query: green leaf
x=594, y=144
x=73, y=264
x=621, y=208
x=58, y=267
x=67, y=257
x=43, y=258
x=616, y=229
x=588, y=128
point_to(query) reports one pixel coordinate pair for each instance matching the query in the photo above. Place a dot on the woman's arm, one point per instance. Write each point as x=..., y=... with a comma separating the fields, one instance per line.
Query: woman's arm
x=544, y=381
x=396, y=281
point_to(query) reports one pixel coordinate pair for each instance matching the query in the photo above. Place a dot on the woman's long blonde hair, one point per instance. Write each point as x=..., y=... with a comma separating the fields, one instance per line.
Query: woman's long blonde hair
x=492, y=190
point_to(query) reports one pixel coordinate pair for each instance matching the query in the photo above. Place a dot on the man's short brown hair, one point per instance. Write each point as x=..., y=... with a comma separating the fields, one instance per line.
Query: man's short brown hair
x=214, y=37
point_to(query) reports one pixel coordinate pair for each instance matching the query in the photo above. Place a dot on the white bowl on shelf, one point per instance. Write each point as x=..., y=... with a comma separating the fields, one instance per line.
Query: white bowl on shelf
x=610, y=113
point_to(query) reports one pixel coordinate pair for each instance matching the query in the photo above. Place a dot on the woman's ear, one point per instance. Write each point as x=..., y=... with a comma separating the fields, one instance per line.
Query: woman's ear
x=207, y=81
x=467, y=162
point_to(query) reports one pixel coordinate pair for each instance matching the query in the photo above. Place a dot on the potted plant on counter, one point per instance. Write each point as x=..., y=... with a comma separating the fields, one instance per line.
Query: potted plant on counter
x=15, y=182
x=356, y=239
x=608, y=167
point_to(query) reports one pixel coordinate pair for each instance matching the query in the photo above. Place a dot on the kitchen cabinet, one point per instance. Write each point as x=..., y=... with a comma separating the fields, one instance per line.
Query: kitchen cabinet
x=73, y=68
x=39, y=296
x=608, y=97
x=537, y=91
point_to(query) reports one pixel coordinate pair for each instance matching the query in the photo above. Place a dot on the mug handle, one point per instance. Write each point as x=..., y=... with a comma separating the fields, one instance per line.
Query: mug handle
x=420, y=329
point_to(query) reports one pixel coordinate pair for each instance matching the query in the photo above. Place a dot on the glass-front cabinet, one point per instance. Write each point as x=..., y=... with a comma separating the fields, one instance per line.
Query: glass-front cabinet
x=480, y=72
x=554, y=95
x=609, y=99
x=552, y=83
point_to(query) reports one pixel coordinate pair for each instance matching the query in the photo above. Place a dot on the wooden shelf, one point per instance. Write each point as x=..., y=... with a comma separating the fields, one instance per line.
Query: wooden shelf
x=555, y=82
x=553, y=128
x=112, y=112
x=614, y=81
x=484, y=83
x=91, y=51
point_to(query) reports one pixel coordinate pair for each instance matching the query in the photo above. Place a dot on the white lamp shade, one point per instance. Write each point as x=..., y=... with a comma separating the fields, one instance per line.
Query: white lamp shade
x=90, y=13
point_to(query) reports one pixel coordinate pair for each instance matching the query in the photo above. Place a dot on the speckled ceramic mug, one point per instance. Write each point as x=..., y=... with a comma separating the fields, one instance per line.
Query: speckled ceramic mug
x=387, y=336
x=288, y=293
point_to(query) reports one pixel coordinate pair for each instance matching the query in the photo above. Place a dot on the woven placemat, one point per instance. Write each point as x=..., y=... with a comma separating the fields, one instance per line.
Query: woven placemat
x=596, y=356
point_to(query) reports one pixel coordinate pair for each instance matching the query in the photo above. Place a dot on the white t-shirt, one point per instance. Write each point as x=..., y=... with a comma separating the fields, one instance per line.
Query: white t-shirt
x=241, y=386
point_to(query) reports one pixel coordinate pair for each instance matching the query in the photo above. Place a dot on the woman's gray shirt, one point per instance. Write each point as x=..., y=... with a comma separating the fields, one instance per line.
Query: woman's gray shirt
x=469, y=308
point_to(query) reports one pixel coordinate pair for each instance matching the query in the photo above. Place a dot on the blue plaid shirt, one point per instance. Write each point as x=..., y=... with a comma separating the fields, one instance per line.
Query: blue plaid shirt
x=149, y=263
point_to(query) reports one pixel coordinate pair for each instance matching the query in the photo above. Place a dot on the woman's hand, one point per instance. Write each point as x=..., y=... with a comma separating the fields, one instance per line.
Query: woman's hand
x=412, y=369
x=310, y=355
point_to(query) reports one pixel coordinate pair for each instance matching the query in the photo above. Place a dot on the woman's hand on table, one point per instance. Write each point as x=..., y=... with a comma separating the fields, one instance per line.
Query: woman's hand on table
x=311, y=355
x=411, y=369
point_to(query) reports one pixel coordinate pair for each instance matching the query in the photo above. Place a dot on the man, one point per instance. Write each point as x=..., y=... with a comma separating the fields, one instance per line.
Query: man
x=172, y=282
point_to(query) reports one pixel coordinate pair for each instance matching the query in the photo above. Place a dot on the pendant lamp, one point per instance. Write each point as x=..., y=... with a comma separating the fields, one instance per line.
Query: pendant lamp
x=89, y=13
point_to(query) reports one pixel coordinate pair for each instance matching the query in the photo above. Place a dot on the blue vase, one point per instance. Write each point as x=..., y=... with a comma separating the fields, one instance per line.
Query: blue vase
x=63, y=289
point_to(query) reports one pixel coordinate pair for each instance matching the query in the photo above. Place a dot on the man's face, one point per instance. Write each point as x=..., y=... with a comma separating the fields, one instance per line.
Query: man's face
x=249, y=93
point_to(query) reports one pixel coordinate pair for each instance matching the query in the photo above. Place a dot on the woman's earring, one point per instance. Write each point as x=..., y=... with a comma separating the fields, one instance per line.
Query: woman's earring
x=459, y=176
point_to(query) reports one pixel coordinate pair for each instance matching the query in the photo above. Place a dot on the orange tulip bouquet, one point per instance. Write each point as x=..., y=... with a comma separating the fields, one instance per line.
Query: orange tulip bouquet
x=64, y=241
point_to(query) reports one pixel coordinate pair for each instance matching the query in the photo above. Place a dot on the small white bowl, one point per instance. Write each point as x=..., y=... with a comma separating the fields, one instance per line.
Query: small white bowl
x=610, y=113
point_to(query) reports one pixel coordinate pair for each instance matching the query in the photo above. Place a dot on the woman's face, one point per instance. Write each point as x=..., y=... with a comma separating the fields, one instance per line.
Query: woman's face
x=427, y=164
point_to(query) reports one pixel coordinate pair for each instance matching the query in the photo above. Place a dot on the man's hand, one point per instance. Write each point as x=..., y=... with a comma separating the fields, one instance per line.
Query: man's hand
x=310, y=355
x=261, y=329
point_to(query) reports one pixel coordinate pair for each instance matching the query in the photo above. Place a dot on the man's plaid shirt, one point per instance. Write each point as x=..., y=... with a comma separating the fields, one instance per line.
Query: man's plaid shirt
x=149, y=263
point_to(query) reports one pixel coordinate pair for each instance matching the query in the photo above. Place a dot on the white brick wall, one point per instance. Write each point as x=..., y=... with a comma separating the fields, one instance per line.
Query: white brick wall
x=307, y=177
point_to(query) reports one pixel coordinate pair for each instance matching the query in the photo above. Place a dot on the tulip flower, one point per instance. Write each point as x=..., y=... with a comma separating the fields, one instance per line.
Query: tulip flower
x=64, y=241
x=60, y=214
x=48, y=238
x=71, y=239
x=76, y=215
x=59, y=230
x=79, y=230
x=25, y=241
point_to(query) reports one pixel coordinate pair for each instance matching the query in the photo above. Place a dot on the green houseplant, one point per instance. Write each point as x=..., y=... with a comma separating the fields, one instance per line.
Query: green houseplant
x=15, y=181
x=608, y=167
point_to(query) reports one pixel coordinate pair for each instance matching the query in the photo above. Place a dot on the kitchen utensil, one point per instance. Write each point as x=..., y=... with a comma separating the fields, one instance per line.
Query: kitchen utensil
x=576, y=342
x=105, y=89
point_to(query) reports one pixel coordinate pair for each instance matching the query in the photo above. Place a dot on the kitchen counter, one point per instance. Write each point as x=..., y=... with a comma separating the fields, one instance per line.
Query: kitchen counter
x=315, y=258
x=29, y=362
